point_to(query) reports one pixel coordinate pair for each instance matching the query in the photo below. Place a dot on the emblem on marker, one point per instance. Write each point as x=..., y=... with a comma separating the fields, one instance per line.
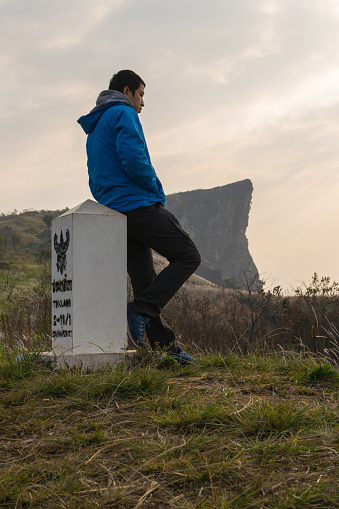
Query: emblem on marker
x=61, y=249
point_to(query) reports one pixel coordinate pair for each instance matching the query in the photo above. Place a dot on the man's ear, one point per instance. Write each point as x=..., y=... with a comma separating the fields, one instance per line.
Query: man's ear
x=125, y=90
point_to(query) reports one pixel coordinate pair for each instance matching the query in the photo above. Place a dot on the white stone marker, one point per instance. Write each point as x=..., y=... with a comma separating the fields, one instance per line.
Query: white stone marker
x=89, y=286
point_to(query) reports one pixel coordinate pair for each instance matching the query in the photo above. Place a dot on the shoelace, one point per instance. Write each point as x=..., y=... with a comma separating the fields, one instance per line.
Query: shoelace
x=142, y=327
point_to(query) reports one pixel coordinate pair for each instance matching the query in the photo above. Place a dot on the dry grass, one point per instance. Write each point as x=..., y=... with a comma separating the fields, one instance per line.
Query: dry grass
x=201, y=313
x=231, y=432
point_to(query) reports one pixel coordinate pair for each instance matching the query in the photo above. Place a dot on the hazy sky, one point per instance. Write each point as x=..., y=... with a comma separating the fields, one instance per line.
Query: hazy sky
x=234, y=90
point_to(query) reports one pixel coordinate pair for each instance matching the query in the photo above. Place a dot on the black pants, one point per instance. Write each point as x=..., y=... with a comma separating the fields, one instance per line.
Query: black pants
x=156, y=228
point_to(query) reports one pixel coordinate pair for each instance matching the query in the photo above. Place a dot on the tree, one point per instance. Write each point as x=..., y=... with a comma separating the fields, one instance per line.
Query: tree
x=3, y=244
x=47, y=219
x=44, y=256
x=15, y=241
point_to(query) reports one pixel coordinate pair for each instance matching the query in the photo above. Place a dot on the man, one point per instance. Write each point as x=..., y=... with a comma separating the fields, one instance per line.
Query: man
x=121, y=176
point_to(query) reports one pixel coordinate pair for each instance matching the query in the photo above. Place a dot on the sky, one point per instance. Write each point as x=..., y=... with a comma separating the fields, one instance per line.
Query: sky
x=234, y=90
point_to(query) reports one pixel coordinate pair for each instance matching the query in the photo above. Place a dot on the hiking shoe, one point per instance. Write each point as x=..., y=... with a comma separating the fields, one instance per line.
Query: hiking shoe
x=136, y=325
x=182, y=357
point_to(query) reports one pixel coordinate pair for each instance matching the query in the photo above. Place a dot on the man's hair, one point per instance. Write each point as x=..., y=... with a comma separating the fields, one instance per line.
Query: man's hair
x=124, y=79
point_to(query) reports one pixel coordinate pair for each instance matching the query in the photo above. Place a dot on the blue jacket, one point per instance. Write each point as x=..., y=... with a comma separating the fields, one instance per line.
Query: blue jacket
x=121, y=175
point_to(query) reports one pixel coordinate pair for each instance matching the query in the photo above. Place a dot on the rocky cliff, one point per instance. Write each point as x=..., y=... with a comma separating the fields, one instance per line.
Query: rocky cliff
x=216, y=219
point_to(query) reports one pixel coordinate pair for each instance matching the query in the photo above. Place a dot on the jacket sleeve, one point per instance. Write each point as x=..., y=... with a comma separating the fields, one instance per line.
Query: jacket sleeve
x=93, y=189
x=132, y=150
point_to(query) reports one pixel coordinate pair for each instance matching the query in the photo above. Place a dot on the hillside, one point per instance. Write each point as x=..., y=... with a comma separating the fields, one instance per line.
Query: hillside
x=24, y=235
x=216, y=219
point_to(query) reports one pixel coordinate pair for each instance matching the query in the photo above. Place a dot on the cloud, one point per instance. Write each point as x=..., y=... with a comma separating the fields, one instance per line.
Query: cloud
x=234, y=90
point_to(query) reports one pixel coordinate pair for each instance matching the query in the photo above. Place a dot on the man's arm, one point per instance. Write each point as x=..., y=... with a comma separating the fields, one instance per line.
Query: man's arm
x=93, y=189
x=132, y=151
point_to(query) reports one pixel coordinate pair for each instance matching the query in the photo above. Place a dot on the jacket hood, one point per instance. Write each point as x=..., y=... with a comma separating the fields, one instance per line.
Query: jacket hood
x=105, y=100
x=109, y=96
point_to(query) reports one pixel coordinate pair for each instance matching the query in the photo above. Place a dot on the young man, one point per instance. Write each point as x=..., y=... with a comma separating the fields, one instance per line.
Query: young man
x=121, y=176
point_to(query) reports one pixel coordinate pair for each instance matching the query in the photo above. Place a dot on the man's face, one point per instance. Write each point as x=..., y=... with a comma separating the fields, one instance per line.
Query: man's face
x=138, y=97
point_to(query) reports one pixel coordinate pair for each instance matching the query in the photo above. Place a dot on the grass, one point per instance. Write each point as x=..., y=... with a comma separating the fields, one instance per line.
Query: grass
x=232, y=432
x=323, y=371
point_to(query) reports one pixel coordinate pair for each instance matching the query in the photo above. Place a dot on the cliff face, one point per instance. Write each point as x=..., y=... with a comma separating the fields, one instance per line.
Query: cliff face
x=216, y=219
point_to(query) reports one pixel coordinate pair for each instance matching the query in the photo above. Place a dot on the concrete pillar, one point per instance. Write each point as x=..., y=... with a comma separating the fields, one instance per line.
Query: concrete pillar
x=89, y=286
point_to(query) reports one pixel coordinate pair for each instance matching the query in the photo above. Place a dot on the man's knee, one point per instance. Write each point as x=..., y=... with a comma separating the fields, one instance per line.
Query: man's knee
x=197, y=259
x=194, y=259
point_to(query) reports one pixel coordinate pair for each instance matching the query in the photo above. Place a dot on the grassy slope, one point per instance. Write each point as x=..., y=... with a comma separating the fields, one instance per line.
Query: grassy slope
x=231, y=432
x=32, y=232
